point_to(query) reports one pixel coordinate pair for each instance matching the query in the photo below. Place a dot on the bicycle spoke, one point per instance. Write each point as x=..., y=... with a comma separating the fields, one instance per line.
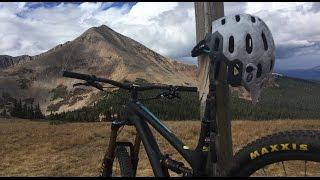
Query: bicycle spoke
x=285, y=172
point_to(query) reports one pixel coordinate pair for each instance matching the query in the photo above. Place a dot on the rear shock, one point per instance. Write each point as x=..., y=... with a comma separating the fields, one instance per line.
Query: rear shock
x=176, y=166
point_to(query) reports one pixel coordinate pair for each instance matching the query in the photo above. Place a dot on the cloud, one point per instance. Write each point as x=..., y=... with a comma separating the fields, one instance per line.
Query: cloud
x=297, y=48
x=233, y=8
x=315, y=7
x=165, y=27
x=295, y=28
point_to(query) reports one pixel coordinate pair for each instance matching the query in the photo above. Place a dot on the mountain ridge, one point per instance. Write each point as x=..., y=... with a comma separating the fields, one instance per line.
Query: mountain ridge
x=100, y=51
x=307, y=74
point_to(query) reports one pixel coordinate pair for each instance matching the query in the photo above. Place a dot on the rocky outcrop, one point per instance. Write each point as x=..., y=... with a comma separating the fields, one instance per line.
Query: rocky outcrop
x=100, y=51
x=8, y=61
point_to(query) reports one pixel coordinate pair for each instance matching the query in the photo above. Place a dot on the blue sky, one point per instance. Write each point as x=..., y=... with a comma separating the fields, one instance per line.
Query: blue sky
x=165, y=27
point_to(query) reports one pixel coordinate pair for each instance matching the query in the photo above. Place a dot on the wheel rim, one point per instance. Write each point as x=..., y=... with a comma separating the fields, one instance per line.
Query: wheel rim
x=289, y=168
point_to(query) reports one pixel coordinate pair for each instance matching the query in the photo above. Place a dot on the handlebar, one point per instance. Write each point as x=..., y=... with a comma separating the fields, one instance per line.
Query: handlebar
x=127, y=86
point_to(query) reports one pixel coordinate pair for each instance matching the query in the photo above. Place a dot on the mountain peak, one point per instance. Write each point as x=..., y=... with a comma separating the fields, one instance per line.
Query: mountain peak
x=99, y=50
x=104, y=27
x=102, y=30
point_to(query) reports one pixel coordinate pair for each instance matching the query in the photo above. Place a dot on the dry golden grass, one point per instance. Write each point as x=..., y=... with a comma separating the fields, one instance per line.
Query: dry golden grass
x=39, y=148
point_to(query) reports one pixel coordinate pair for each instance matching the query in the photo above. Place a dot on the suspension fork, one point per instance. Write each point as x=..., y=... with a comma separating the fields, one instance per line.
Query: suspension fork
x=109, y=155
x=135, y=154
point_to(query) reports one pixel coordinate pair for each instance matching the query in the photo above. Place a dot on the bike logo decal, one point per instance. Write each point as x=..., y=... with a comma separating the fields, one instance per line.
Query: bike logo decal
x=278, y=147
x=185, y=147
x=205, y=148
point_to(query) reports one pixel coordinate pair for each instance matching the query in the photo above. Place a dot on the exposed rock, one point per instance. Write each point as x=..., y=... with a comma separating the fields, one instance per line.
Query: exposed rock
x=100, y=51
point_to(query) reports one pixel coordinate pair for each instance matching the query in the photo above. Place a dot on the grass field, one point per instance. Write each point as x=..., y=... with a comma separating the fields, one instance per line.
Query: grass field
x=40, y=148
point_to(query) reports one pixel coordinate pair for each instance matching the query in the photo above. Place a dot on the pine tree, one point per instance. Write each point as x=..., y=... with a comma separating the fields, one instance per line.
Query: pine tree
x=13, y=110
x=31, y=113
x=19, y=109
x=4, y=113
x=24, y=111
x=38, y=113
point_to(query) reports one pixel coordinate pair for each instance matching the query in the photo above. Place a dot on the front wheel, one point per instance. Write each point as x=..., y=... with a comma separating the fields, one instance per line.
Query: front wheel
x=120, y=166
x=291, y=153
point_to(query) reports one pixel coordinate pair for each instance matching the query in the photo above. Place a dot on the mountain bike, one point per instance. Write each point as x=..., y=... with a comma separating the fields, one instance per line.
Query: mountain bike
x=269, y=153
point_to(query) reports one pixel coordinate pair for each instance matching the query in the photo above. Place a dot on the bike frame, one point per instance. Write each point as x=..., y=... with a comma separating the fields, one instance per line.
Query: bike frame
x=138, y=115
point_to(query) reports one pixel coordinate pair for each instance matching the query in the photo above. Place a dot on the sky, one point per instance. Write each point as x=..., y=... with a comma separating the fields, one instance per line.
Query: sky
x=165, y=27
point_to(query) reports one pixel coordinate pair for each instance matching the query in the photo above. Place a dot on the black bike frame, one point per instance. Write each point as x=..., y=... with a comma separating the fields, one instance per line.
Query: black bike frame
x=139, y=116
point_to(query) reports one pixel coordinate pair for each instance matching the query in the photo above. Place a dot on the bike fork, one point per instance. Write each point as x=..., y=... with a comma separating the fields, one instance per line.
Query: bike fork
x=134, y=149
x=109, y=155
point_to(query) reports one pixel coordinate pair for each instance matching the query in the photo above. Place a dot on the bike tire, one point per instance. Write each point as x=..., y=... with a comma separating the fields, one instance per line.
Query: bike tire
x=124, y=160
x=276, y=148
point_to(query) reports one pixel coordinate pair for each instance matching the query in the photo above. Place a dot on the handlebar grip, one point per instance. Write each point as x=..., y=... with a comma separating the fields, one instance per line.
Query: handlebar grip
x=76, y=75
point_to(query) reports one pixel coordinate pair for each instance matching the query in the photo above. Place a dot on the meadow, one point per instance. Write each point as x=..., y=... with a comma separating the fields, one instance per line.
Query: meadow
x=44, y=148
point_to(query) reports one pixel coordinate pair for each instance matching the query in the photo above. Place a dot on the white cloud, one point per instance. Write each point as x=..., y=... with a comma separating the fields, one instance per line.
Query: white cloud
x=44, y=28
x=288, y=21
x=143, y=12
x=166, y=27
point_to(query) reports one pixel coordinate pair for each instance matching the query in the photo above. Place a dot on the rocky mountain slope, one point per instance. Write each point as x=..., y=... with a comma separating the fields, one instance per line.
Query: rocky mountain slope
x=100, y=51
x=9, y=61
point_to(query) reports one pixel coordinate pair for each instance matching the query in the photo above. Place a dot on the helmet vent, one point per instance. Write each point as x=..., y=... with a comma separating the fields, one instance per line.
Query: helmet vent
x=249, y=69
x=264, y=41
x=237, y=18
x=259, y=19
x=259, y=71
x=248, y=43
x=253, y=19
x=216, y=44
x=223, y=21
x=231, y=44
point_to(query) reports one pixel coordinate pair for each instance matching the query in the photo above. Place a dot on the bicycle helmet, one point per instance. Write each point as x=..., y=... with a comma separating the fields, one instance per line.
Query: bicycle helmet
x=246, y=44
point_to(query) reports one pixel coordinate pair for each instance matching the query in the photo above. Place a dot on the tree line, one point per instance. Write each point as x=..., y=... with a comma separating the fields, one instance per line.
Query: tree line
x=293, y=99
x=113, y=106
x=22, y=110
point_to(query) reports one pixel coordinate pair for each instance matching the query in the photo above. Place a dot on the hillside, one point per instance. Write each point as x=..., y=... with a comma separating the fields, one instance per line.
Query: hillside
x=9, y=61
x=289, y=98
x=100, y=51
x=285, y=98
x=41, y=148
